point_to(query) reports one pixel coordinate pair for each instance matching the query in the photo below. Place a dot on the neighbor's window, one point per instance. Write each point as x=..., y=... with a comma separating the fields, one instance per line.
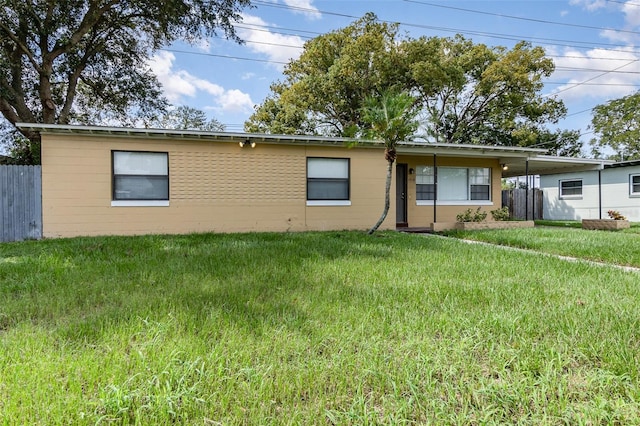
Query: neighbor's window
x=455, y=184
x=571, y=188
x=140, y=176
x=634, y=185
x=327, y=181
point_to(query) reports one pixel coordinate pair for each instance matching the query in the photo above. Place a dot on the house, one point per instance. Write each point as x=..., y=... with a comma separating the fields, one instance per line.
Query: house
x=590, y=194
x=106, y=180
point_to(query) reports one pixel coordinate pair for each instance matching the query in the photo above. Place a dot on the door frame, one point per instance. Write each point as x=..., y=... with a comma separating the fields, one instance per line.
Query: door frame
x=402, y=170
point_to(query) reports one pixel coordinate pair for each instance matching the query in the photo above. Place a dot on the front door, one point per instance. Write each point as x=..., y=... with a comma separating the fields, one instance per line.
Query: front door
x=401, y=195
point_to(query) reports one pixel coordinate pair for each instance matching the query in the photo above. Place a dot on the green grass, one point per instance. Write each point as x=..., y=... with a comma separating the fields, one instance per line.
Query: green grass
x=616, y=247
x=312, y=328
x=574, y=223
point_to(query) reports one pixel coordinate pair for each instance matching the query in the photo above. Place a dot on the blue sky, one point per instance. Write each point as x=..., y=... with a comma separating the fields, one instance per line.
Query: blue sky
x=592, y=42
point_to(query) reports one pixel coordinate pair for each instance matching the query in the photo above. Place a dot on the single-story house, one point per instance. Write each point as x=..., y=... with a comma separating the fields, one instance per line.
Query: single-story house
x=590, y=194
x=107, y=180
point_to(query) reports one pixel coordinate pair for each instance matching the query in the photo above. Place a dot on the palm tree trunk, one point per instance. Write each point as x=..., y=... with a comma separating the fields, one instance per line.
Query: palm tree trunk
x=387, y=198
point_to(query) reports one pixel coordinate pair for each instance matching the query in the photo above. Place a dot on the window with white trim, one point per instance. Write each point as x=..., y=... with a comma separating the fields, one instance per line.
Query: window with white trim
x=634, y=185
x=327, y=181
x=425, y=183
x=140, y=176
x=571, y=188
x=455, y=184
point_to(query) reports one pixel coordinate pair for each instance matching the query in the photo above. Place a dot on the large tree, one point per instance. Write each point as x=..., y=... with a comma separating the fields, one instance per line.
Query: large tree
x=616, y=126
x=86, y=60
x=324, y=89
x=475, y=94
x=468, y=93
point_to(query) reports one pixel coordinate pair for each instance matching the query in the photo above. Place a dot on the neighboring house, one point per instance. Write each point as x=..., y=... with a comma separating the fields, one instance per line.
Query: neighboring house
x=102, y=180
x=591, y=194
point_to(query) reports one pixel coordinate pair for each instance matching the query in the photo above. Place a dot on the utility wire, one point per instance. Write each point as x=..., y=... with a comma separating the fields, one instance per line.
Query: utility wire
x=541, y=21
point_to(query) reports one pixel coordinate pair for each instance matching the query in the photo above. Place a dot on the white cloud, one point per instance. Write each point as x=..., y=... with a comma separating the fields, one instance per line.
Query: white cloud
x=276, y=47
x=178, y=84
x=305, y=8
x=612, y=70
x=590, y=5
x=631, y=12
x=235, y=101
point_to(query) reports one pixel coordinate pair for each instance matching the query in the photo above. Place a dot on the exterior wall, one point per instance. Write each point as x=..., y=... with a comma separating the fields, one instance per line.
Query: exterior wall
x=423, y=215
x=615, y=195
x=214, y=187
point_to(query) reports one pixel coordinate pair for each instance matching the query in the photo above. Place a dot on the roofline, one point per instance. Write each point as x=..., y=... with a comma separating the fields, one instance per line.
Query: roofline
x=407, y=147
x=557, y=159
x=627, y=163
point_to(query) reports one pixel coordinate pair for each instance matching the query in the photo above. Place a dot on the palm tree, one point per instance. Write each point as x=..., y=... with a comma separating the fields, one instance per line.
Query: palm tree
x=391, y=117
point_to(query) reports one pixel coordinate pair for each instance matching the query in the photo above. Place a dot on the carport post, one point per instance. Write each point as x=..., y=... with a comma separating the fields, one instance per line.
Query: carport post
x=435, y=187
x=600, y=193
x=526, y=194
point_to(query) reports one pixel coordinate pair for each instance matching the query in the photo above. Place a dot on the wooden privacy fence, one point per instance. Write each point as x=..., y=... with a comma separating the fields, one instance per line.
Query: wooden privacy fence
x=519, y=208
x=21, y=203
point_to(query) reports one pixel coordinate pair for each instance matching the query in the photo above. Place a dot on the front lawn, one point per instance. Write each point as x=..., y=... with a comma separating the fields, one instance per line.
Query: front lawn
x=618, y=247
x=312, y=328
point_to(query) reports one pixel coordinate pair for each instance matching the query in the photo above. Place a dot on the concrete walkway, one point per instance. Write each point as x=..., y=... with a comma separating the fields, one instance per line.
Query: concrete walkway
x=557, y=256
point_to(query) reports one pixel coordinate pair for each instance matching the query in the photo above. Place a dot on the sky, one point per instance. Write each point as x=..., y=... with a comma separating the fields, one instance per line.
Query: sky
x=595, y=45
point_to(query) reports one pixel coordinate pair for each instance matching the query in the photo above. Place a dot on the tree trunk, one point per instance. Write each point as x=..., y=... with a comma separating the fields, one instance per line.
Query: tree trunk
x=387, y=198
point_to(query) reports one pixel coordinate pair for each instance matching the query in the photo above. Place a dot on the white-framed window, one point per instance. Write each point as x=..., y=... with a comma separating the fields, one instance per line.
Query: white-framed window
x=456, y=185
x=571, y=188
x=140, y=178
x=634, y=185
x=328, y=181
x=425, y=183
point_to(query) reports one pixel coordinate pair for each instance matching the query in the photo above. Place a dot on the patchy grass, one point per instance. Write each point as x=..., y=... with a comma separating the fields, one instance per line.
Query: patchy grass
x=617, y=247
x=312, y=328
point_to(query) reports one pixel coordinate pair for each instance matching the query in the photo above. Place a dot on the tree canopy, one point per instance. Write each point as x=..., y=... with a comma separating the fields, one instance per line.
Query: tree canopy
x=467, y=93
x=187, y=118
x=325, y=88
x=616, y=125
x=85, y=61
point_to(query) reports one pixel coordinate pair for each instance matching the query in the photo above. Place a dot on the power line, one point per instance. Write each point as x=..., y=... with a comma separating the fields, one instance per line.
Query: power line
x=238, y=58
x=541, y=21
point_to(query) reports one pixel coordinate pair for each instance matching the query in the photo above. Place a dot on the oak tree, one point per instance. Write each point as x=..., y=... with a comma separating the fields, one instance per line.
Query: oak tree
x=86, y=61
x=616, y=126
x=467, y=93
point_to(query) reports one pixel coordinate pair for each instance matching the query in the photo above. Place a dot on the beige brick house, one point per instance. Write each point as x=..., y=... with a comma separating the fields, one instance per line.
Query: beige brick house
x=120, y=181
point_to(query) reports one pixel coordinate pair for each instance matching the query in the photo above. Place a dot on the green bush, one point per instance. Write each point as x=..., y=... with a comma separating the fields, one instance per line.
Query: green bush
x=501, y=214
x=472, y=216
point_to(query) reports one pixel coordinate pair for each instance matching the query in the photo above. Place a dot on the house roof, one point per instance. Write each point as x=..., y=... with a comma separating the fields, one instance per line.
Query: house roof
x=515, y=158
x=547, y=165
x=629, y=163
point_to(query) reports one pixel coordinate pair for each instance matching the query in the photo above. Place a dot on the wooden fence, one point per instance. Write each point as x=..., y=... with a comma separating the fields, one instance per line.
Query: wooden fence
x=519, y=208
x=21, y=203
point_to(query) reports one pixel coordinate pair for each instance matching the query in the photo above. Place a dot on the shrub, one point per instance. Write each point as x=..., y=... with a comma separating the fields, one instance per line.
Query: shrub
x=615, y=215
x=501, y=214
x=470, y=216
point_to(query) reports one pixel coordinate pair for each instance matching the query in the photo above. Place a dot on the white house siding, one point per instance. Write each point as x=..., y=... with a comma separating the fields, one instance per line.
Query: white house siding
x=615, y=195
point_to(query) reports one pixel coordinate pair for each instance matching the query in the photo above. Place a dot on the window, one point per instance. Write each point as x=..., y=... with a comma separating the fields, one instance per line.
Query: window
x=425, y=183
x=328, y=181
x=479, y=183
x=456, y=185
x=634, y=185
x=140, y=178
x=571, y=188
